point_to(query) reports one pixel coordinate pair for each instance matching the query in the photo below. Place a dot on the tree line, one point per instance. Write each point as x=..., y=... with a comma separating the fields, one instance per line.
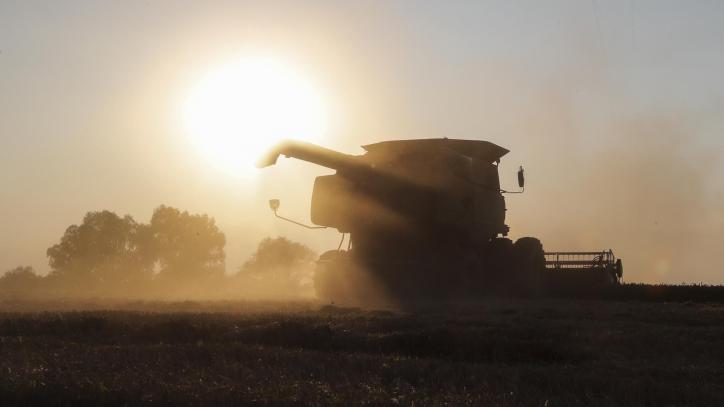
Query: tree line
x=175, y=255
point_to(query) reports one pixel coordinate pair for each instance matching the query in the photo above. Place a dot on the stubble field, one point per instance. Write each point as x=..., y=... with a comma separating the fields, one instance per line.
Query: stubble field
x=495, y=352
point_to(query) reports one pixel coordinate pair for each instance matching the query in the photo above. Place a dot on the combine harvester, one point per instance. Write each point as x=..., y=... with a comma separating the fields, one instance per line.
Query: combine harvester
x=426, y=220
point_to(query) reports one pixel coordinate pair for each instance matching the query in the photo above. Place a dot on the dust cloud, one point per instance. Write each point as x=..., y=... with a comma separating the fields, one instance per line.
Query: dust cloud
x=640, y=184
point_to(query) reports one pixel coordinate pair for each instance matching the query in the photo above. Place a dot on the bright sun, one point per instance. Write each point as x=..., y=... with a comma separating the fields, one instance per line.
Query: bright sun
x=238, y=111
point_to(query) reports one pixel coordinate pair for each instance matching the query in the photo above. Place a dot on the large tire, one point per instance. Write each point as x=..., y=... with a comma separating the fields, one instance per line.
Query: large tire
x=498, y=268
x=529, y=266
x=339, y=279
x=328, y=275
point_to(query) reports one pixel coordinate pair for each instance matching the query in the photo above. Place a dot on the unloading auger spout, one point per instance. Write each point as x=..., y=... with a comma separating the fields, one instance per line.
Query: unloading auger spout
x=308, y=152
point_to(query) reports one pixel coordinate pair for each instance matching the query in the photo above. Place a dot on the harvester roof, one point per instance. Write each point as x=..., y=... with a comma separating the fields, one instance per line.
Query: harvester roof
x=478, y=149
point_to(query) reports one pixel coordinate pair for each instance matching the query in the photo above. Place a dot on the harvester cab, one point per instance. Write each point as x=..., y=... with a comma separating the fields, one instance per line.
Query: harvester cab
x=425, y=217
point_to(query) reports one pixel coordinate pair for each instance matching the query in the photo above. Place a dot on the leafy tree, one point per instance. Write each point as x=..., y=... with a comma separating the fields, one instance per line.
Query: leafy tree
x=107, y=252
x=186, y=246
x=20, y=280
x=282, y=262
x=102, y=249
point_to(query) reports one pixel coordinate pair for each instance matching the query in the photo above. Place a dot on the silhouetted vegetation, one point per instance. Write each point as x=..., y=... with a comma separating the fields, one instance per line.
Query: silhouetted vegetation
x=185, y=246
x=176, y=255
x=19, y=282
x=646, y=292
x=279, y=268
x=105, y=252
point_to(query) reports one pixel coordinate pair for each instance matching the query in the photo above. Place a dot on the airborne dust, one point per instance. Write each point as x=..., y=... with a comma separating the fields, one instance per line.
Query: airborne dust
x=643, y=184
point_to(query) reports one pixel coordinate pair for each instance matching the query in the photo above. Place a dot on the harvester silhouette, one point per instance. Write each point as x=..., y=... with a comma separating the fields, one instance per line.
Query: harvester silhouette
x=426, y=219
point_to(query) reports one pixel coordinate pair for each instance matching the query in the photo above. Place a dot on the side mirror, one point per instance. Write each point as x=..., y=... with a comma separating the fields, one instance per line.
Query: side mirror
x=521, y=178
x=274, y=205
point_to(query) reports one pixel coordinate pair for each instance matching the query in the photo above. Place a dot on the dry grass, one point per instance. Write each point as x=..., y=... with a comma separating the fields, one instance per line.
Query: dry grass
x=496, y=352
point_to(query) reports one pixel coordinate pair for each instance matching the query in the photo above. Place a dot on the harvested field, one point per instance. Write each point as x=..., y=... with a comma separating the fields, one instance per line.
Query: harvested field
x=497, y=352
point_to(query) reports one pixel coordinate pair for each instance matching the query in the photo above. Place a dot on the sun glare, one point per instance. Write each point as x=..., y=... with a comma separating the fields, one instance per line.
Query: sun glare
x=238, y=111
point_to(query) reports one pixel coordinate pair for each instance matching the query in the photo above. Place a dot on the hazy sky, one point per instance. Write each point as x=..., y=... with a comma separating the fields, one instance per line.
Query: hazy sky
x=615, y=108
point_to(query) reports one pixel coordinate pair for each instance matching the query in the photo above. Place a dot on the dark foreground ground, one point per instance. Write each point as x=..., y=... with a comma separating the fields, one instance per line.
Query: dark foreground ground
x=497, y=353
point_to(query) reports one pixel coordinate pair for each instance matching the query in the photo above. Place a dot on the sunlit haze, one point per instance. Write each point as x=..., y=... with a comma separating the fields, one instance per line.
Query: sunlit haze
x=361, y=202
x=237, y=111
x=614, y=108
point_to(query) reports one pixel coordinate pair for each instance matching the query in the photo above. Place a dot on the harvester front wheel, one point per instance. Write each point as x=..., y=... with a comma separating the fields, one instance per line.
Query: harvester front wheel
x=340, y=278
x=327, y=278
x=530, y=265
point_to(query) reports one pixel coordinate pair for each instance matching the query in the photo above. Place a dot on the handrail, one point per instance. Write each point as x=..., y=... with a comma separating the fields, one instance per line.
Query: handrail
x=298, y=223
